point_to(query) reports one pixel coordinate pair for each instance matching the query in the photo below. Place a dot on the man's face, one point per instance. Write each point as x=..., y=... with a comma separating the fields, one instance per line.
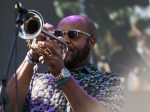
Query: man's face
x=76, y=54
x=78, y=48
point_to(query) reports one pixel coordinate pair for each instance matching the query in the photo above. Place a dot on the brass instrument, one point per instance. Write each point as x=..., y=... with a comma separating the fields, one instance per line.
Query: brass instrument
x=32, y=26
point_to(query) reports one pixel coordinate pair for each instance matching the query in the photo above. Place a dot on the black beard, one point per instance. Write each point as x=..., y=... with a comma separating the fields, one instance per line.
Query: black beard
x=78, y=57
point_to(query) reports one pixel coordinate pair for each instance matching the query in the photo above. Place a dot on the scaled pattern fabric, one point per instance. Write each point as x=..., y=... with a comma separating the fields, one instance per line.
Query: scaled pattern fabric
x=45, y=96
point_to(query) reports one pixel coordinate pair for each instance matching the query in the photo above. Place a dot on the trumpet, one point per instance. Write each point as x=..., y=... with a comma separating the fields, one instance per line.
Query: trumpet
x=31, y=26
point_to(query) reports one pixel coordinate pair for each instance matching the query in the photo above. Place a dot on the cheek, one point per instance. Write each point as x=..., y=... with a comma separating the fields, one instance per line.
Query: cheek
x=80, y=44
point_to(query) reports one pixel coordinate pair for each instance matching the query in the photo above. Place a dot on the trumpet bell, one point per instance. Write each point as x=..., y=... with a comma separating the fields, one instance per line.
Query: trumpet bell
x=32, y=27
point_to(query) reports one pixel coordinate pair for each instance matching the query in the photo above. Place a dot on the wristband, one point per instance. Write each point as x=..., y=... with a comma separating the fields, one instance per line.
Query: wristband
x=29, y=59
x=62, y=81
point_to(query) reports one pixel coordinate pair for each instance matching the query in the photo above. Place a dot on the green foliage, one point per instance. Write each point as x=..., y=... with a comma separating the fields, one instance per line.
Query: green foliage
x=106, y=14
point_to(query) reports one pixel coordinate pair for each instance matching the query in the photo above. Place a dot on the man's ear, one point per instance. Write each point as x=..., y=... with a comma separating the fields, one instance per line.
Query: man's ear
x=92, y=42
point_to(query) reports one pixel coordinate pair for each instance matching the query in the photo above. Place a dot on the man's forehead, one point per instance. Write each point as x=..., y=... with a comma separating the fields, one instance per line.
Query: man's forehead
x=75, y=21
x=73, y=18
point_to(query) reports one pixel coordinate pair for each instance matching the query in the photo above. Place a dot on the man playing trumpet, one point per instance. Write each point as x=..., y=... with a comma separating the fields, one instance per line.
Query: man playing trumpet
x=73, y=83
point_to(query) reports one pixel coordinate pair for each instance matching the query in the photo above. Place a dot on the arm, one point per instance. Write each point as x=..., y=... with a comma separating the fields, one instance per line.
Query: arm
x=23, y=77
x=80, y=101
x=109, y=91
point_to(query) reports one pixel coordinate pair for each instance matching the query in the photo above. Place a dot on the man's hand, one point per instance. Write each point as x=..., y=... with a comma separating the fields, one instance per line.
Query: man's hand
x=53, y=56
x=34, y=51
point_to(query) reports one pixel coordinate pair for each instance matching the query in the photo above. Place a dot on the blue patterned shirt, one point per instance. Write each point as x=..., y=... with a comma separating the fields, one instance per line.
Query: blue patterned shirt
x=46, y=96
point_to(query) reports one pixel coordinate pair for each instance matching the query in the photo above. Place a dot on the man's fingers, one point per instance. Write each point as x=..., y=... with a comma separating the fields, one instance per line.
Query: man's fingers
x=48, y=27
x=41, y=59
x=50, y=47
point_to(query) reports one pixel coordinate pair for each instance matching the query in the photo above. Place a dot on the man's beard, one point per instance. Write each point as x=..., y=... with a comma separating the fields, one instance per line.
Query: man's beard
x=77, y=57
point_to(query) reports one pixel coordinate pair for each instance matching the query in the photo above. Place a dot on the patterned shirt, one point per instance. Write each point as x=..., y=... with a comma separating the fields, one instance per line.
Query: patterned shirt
x=46, y=96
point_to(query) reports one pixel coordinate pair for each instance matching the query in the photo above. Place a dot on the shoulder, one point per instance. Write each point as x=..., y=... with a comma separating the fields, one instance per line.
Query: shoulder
x=110, y=84
x=110, y=77
x=111, y=91
x=107, y=77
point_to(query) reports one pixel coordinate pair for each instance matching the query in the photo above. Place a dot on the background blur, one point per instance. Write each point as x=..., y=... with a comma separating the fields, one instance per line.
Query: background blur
x=123, y=40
